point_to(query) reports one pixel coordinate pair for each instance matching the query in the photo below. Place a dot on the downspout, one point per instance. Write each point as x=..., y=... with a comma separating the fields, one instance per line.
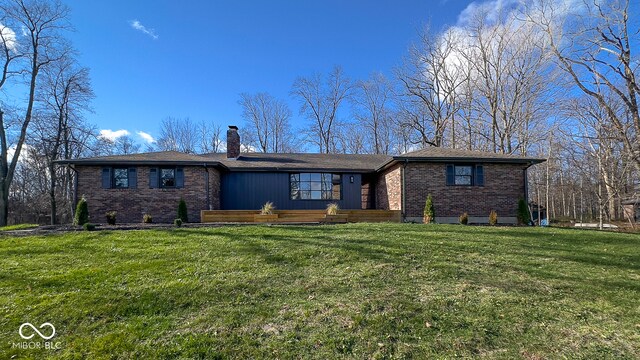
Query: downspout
x=75, y=190
x=403, y=190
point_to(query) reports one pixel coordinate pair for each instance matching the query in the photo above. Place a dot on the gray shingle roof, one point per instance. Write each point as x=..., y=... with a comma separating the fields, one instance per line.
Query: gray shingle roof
x=159, y=157
x=301, y=161
x=447, y=154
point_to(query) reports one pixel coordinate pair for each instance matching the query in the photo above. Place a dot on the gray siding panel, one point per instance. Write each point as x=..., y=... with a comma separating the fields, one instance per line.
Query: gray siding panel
x=250, y=190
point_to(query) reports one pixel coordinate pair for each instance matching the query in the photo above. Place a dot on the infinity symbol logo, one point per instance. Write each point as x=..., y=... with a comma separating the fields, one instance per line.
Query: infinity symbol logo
x=53, y=333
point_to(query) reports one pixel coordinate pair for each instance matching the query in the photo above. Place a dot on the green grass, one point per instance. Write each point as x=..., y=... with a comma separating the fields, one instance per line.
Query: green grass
x=348, y=291
x=18, y=227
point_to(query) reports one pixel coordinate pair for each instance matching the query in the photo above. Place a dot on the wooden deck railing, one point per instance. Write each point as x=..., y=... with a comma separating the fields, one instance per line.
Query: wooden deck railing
x=299, y=216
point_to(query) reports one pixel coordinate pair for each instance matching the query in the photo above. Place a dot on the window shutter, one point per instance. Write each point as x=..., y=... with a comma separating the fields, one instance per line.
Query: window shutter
x=153, y=178
x=450, y=174
x=179, y=177
x=106, y=178
x=479, y=181
x=133, y=178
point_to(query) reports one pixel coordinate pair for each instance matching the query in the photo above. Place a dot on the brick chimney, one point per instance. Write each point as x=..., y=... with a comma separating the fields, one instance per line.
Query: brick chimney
x=233, y=142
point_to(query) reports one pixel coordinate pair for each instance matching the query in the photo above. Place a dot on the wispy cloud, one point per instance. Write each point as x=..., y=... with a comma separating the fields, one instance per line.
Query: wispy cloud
x=135, y=24
x=113, y=135
x=146, y=137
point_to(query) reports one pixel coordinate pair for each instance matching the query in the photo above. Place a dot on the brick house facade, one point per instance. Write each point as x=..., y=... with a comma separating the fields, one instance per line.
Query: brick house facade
x=458, y=180
x=504, y=185
x=132, y=203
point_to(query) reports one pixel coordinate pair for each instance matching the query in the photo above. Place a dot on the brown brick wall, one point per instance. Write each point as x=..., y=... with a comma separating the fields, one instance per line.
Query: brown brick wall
x=503, y=187
x=389, y=189
x=161, y=204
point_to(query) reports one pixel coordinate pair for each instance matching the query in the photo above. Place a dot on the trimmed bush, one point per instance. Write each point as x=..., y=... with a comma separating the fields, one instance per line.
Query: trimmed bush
x=524, y=218
x=82, y=212
x=429, y=210
x=111, y=217
x=493, y=218
x=267, y=208
x=332, y=209
x=182, y=211
x=147, y=219
x=177, y=222
x=89, y=226
x=464, y=218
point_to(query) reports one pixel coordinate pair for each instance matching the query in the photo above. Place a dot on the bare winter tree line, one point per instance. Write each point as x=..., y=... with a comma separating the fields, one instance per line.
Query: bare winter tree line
x=548, y=79
x=543, y=78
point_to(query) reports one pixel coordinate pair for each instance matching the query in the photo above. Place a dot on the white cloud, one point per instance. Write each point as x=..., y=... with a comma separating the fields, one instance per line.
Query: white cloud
x=25, y=153
x=135, y=24
x=113, y=135
x=492, y=10
x=146, y=137
x=8, y=38
x=512, y=19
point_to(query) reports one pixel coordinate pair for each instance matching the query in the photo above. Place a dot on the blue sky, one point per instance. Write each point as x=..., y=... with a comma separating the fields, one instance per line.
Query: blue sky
x=193, y=59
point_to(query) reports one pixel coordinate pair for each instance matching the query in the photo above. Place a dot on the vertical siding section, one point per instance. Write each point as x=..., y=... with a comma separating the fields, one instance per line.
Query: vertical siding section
x=250, y=190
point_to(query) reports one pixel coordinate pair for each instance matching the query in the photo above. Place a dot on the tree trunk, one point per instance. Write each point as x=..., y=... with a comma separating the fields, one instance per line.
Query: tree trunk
x=4, y=204
x=52, y=193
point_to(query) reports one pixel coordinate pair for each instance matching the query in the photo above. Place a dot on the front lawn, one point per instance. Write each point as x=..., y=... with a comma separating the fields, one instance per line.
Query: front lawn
x=18, y=227
x=347, y=291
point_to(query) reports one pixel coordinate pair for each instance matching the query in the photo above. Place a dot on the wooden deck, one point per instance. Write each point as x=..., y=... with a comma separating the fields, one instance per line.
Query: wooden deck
x=298, y=216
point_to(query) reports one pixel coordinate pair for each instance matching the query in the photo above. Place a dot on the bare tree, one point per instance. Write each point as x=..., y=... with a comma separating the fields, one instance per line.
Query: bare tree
x=64, y=96
x=35, y=43
x=513, y=78
x=178, y=135
x=190, y=137
x=429, y=86
x=268, y=125
x=124, y=145
x=372, y=109
x=320, y=102
x=593, y=44
x=210, y=137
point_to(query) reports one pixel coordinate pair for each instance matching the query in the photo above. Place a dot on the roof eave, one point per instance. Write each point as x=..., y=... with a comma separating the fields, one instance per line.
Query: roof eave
x=89, y=162
x=399, y=159
x=310, y=169
x=471, y=159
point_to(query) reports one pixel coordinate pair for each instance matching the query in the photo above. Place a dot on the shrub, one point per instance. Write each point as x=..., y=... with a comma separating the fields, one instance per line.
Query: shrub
x=464, y=218
x=82, y=212
x=177, y=222
x=111, y=217
x=332, y=209
x=267, y=208
x=89, y=226
x=524, y=218
x=182, y=211
x=147, y=219
x=429, y=211
x=493, y=218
